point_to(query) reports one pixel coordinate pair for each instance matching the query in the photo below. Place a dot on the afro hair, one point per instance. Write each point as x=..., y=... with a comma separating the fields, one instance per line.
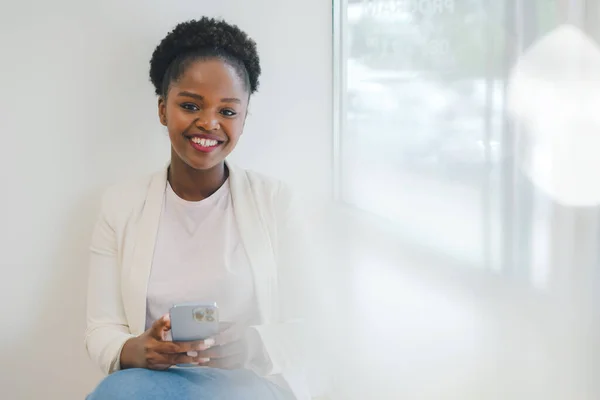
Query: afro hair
x=201, y=39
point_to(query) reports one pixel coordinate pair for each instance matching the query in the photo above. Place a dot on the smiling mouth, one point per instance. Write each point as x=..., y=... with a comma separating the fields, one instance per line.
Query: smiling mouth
x=205, y=145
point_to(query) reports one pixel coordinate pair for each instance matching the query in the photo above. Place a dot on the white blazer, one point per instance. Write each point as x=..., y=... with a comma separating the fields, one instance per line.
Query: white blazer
x=121, y=258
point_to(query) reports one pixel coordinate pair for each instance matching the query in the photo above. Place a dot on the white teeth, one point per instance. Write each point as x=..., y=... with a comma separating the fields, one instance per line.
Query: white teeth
x=204, y=142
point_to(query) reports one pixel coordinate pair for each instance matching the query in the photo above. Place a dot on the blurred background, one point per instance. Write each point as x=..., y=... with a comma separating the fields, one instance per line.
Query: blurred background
x=424, y=136
x=449, y=274
x=488, y=284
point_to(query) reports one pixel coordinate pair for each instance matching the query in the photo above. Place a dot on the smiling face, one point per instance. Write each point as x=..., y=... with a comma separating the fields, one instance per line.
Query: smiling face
x=204, y=112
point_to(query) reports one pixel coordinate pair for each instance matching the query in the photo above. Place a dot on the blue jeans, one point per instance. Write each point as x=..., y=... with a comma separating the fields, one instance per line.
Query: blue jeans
x=187, y=383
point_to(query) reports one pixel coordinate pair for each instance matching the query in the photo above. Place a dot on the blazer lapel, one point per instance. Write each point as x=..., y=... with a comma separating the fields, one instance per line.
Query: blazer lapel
x=143, y=253
x=253, y=233
x=256, y=241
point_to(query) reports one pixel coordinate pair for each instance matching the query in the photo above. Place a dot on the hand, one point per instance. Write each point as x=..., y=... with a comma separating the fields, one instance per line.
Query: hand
x=150, y=350
x=230, y=350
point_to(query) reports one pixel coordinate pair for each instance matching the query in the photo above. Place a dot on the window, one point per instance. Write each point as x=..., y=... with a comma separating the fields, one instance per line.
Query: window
x=422, y=140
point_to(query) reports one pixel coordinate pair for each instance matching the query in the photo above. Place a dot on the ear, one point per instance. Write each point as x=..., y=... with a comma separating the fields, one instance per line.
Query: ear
x=162, y=110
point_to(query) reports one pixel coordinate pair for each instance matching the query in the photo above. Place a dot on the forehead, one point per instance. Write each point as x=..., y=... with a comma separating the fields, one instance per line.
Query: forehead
x=212, y=77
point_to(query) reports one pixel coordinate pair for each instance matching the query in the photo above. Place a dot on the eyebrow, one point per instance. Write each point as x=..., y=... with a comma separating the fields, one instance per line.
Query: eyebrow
x=199, y=97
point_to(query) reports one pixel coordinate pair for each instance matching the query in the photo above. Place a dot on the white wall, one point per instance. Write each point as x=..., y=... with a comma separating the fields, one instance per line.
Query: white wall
x=78, y=112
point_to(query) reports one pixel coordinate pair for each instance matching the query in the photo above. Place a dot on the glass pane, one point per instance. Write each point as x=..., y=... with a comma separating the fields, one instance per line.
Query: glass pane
x=425, y=143
x=424, y=94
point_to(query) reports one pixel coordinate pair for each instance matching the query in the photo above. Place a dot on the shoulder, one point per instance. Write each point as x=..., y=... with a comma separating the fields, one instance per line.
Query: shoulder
x=128, y=196
x=274, y=199
x=267, y=188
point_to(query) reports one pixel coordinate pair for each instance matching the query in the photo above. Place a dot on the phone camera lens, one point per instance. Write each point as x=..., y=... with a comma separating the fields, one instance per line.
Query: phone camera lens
x=199, y=315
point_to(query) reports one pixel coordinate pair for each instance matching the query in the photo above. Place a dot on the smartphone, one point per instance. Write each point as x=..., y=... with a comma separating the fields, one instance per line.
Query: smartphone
x=194, y=321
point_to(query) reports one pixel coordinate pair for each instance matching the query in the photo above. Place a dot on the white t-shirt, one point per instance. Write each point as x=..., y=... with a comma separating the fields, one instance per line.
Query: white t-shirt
x=199, y=257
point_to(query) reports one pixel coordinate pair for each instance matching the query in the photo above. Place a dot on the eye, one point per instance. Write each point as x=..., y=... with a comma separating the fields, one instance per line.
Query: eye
x=190, y=107
x=228, y=112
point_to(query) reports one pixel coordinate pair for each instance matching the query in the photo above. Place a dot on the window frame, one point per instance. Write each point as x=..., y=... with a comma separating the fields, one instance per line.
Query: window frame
x=339, y=75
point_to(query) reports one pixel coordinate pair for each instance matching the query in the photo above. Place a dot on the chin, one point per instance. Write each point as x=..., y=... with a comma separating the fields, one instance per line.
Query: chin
x=196, y=160
x=203, y=165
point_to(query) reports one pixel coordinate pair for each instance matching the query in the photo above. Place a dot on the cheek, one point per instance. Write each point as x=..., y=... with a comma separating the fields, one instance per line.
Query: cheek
x=235, y=129
x=175, y=137
x=178, y=122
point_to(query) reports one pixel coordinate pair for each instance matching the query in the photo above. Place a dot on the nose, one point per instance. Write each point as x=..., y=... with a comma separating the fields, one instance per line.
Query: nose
x=208, y=121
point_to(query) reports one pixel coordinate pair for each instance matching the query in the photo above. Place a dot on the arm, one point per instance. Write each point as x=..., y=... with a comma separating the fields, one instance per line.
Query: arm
x=107, y=326
x=108, y=339
x=282, y=342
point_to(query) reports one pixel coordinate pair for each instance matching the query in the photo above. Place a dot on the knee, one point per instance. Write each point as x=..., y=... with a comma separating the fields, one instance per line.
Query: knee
x=124, y=385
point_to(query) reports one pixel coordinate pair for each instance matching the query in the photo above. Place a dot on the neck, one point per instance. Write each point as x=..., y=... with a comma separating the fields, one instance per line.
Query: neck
x=195, y=185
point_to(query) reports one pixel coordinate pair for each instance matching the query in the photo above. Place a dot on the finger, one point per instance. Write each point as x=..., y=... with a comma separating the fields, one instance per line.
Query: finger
x=228, y=350
x=159, y=367
x=188, y=359
x=162, y=361
x=233, y=362
x=160, y=327
x=166, y=347
x=179, y=347
x=158, y=361
x=197, y=345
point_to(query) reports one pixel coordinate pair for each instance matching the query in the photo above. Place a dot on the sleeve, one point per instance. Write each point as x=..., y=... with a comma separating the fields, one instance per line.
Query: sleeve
x=276, y=347
x=283, y=343
x=107, y=327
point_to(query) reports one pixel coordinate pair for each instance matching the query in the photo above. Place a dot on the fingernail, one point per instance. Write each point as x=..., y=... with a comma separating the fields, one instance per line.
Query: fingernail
x=209, y=342
x=202, y=346
x=192, y=353
x=203, y=360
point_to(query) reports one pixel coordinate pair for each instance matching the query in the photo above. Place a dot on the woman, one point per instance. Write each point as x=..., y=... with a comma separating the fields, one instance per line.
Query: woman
x=200, y=230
